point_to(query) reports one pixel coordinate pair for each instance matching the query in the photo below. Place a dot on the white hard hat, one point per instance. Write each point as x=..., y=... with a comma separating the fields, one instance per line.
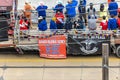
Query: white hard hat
x=40, y=17
x=59, y=2
x=41, y=3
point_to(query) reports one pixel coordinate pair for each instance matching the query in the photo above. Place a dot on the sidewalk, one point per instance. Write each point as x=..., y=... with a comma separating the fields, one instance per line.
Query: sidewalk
x=33, y=72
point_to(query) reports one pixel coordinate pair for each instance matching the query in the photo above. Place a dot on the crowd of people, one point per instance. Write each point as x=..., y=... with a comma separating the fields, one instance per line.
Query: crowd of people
x=109, y=18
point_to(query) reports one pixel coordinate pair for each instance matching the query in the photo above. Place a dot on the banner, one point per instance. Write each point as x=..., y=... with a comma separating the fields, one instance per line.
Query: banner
x=86, y=44
x=53, y=47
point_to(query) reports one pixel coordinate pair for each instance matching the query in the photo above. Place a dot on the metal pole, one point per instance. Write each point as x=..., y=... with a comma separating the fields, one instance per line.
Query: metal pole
x=105, y=61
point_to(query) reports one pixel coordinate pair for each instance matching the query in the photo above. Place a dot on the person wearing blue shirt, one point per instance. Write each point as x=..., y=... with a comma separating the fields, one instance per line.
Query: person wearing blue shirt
x=82, y=9
x=41, y=9
x=70, y=8
x=113, y=7
x=53, y=25
x=42, y=24
x=112, y=23
x=59, y=7
x=68, y=23
x=70, y=11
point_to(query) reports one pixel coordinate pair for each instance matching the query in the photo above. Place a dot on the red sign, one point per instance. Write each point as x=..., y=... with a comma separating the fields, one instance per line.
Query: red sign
x=53, y=47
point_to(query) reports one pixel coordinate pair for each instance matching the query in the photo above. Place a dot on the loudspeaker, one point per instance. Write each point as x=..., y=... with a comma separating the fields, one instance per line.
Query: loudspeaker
x=3, y=29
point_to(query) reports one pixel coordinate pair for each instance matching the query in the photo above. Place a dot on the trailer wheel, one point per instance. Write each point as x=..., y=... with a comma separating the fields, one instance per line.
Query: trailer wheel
x=118, y=51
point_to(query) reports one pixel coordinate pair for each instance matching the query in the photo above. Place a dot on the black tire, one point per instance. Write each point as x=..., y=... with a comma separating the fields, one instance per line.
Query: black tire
x=118, y=51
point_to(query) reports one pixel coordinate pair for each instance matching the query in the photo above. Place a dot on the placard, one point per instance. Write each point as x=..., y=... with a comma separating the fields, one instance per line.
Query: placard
x=53, y=47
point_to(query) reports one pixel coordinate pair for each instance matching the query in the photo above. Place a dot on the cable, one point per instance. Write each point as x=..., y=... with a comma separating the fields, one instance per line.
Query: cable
x=52, y=9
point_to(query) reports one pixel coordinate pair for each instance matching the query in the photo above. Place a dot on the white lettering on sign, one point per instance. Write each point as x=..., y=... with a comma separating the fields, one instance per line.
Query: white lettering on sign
x=3, y=8
x=52, y=41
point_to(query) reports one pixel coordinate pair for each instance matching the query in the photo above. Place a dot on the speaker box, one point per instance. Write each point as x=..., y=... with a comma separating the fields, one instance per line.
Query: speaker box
x=3, y=29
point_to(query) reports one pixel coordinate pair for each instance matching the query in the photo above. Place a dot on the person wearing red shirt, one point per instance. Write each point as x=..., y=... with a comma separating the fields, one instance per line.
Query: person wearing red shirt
x=118, y=11
x=104, y=24
x=24, y=24
x=118, y=21
x=60, y=20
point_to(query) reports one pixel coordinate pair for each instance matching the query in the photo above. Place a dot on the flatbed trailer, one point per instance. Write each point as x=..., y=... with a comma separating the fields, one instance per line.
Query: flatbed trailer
x=29, y=41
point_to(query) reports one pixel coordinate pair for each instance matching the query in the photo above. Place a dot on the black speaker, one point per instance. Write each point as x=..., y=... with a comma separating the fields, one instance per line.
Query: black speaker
x=3, y=29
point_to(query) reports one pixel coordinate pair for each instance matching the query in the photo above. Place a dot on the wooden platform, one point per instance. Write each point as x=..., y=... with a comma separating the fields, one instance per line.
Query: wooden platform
x=117, y=41
x=8, y=43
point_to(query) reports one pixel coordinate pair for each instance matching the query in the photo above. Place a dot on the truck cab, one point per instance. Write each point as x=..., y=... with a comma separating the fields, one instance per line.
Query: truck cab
x=6, y=6
x=7, y=11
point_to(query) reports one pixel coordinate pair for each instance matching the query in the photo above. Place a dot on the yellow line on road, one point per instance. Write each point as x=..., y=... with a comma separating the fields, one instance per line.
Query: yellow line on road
x=70, y=59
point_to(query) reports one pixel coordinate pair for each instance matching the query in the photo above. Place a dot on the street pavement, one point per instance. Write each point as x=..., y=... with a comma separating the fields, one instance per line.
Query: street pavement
x=30, y=66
